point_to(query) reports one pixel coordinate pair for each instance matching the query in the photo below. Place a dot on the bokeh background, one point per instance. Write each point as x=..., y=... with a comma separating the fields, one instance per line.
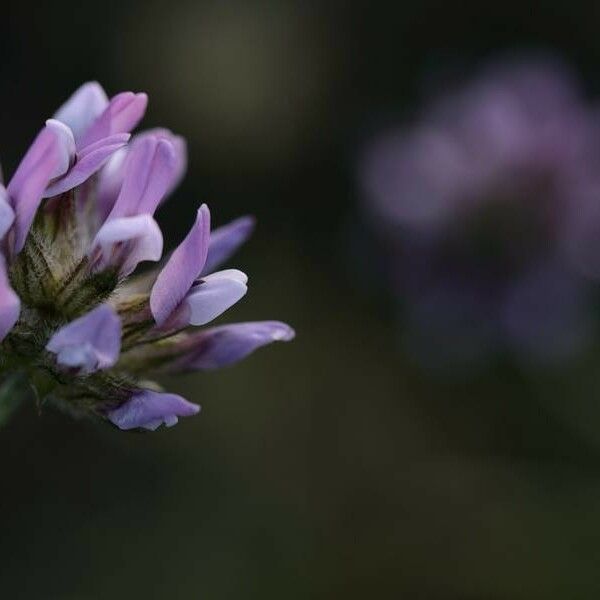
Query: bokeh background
x=336, y=466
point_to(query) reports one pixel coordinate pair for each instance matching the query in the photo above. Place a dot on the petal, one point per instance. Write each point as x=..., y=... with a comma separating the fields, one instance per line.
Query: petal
x=10, y=305
x=222, y=346
x=214, y=295
x=224, y=241
x=149, y=170
x=66, y=146
x=89, y=161
x=90, y=343
x=7, y=214
x=111, y=177
x=43, y=161
x=122, y=114
x=180, y=150
x=183, y=267
x=127, y=241
x=110, y=180
x=85, y=105
x=149, y=410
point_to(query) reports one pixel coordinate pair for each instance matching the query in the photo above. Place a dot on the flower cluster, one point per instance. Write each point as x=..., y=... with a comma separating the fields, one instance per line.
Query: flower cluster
x=76, y=219
x=489, y=208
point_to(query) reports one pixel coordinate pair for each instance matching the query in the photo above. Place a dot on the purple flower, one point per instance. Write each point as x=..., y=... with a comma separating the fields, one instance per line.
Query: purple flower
x=149, y=410
x=177, y=276
x=222, y=346
x=86, y=131
x=124, y=242
x=69, y=243
x=493, y=187
x=48, y=157
x=179, y=297
x=90, y=343
x=111, y=178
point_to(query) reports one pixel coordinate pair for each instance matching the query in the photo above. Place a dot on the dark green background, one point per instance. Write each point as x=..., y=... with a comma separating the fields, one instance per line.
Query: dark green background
x=331, y=467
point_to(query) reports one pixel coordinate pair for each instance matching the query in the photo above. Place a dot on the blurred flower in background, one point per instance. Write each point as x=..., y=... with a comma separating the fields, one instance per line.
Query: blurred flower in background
x=488, y=207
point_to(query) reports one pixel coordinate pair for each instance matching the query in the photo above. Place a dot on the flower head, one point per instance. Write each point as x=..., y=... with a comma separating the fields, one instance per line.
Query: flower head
x=76, y=219
x=487, y=205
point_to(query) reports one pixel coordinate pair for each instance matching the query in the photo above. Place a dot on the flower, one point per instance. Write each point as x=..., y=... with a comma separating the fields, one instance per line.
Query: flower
x=487, y=207
x=76, y=219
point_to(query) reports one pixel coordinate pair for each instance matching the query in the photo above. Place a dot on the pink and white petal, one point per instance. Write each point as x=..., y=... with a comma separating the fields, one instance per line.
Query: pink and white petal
x=148, y=410
x=182, y=269
x=84, y=106
x=10, y=304
x=89, y=343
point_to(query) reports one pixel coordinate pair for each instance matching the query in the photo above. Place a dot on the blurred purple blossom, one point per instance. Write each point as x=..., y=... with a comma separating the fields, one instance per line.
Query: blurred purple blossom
x=488, y=206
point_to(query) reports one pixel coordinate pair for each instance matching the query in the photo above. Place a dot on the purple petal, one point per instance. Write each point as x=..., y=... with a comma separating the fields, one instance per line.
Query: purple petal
x=90, y=343
x=7, y=214
x=122, y=114
x=89, y=161
x=66, y=146
x=111, y=177
x=224, y=241
x=149, y=410
x=149, y=170
x=214, y=295
x=45, y=159
x=85, y=105
x=10, y=305
x=222, y=346
x=180, y=151
x=183, y=267
x=110, y=180
x=127, y=241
